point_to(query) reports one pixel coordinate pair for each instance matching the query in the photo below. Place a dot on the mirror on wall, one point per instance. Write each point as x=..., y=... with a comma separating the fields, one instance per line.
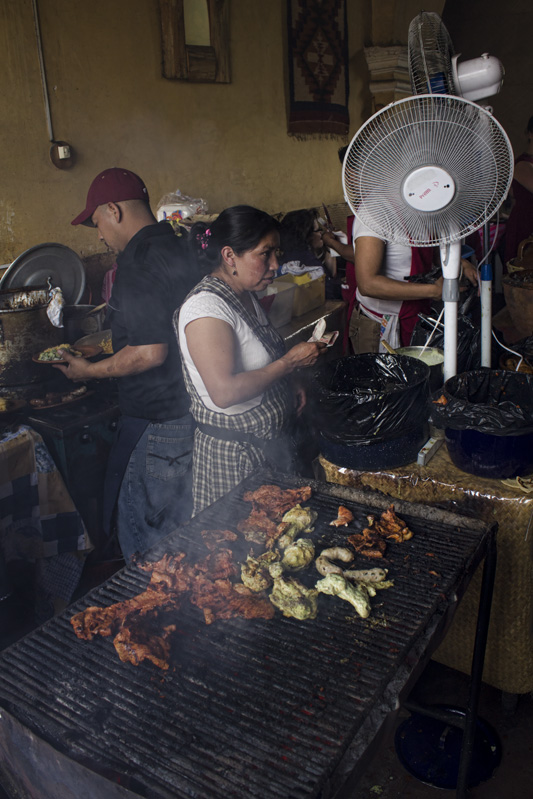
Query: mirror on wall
x=195, y=40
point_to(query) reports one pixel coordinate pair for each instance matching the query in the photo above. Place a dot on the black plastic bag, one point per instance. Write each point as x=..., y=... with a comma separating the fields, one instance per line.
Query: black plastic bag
x=492, y=401
x=468, y=340
x=366, y=399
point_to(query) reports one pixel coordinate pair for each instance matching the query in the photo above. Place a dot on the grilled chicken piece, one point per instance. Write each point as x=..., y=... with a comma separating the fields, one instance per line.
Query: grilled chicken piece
x=393, y=527
x=357, y=595
x=366, y=575
x=296, y=521
x=324, y=562
x=254, y=572
x=213, y=538
x=135, y=644
x=294, y=599
x=344, y=517
x=298, y=555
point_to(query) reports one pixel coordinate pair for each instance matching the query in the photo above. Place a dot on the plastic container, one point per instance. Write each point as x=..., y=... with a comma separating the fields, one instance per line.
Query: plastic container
x=389, y=454
x=434, y=357
x=430, y=749
x=371, y=410
x=309, y=294
x=487, y=416
x=277, y=302
x=485, y=455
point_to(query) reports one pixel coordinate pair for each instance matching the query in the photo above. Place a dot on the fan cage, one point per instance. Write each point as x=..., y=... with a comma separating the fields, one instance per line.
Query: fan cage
x=428, y=130
x=430, y=54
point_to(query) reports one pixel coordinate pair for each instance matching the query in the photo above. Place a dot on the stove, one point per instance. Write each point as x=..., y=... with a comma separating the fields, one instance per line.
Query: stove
x=247, y=708
x=79, y=436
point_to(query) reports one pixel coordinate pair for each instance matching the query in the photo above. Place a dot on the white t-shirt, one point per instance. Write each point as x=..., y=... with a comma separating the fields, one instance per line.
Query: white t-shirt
x=250, y=353
x=396, y=265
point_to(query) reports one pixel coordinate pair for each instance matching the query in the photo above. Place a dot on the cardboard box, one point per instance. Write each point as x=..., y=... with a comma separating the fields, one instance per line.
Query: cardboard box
x=309, y=294
x=277, y=302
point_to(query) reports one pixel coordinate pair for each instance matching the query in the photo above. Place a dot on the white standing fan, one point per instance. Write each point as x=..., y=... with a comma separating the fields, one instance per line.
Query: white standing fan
x=435, y=69
x=426, y=171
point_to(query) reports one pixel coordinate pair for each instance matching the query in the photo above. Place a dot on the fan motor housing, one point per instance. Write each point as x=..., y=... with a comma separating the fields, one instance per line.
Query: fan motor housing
x=428, y=188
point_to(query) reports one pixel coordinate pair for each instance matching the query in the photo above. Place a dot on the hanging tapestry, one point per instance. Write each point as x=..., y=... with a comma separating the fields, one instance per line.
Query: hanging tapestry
x=318, y=67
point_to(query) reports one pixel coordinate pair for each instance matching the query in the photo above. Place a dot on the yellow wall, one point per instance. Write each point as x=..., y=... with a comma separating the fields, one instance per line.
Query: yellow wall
x=225, y=143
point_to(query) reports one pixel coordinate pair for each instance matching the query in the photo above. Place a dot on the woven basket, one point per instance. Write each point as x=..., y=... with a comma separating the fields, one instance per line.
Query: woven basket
x=518, y=293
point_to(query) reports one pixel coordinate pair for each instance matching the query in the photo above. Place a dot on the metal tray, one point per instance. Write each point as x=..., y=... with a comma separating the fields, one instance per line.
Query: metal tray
x=55, y=261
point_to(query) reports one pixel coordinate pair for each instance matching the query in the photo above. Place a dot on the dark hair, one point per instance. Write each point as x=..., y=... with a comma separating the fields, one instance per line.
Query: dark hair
x=297, y=228
x=240, y=227
x=529, y=128
x=342, y=152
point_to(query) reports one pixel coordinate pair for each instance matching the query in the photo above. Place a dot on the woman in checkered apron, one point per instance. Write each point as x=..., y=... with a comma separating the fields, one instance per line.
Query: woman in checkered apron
x=236, y=368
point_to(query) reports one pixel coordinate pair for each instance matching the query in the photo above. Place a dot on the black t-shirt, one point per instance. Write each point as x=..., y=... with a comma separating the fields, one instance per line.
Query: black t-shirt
x=152, y=280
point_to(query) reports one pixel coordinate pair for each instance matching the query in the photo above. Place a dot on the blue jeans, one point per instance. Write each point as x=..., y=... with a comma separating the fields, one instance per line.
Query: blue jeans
x=156, y=492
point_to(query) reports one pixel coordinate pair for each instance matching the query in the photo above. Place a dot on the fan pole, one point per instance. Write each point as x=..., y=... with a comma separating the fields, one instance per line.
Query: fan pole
x=450, y=255
x=486, y=314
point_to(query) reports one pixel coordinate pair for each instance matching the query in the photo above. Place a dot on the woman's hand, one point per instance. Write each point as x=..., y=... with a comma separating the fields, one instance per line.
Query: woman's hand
x=304, y=354
x=300, y=399
x=469, y=271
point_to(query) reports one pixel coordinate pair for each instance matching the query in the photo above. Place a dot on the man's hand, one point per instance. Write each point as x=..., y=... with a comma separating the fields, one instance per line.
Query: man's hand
x=76, y=369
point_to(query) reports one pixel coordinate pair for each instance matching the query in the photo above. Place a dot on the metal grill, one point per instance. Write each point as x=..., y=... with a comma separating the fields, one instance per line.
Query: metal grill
x=248, y=707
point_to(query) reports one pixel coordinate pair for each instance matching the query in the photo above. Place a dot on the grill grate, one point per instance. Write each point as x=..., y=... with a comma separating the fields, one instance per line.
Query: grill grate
x=248, y=708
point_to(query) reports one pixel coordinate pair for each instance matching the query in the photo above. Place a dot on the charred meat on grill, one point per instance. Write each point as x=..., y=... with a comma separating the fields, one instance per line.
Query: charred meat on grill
x=269, y=504
x=221, y=600
x=276, y=501
x=136, y=643
x=213, y=538
x=106, y=621
x=371, y=542
x=257, y=527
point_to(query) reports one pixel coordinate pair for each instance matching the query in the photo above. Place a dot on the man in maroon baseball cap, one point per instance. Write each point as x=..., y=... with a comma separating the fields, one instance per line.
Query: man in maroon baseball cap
x=149, y=469
x=112, y=185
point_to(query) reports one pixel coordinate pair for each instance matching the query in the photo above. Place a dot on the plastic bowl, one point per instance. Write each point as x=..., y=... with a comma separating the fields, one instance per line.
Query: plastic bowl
x=485, y=455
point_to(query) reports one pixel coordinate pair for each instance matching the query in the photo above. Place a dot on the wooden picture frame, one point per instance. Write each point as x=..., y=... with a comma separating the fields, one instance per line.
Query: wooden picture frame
x=200, y=64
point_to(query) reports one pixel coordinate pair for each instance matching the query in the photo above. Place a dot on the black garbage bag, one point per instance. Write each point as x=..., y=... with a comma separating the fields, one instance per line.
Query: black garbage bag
x=365, y=399
x=468, y=340
x=492, y=401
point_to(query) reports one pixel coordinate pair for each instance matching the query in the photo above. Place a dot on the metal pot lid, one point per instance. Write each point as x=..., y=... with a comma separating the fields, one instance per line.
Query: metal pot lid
x=55, y=261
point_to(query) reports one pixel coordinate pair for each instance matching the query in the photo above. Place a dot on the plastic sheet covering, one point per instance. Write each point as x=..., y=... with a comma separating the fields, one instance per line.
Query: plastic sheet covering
x=370, y=398
x=508, y=661
x=491, y=401
x=468, y=341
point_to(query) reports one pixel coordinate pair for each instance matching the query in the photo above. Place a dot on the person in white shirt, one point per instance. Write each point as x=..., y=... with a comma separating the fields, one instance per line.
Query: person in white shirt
x=236, y=368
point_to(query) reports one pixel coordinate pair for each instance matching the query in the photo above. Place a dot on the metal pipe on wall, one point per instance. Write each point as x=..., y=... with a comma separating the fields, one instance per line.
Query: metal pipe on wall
x=42, y=71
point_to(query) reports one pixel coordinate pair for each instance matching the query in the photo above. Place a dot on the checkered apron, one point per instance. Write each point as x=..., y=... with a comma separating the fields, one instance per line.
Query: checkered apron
x=220, y=464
